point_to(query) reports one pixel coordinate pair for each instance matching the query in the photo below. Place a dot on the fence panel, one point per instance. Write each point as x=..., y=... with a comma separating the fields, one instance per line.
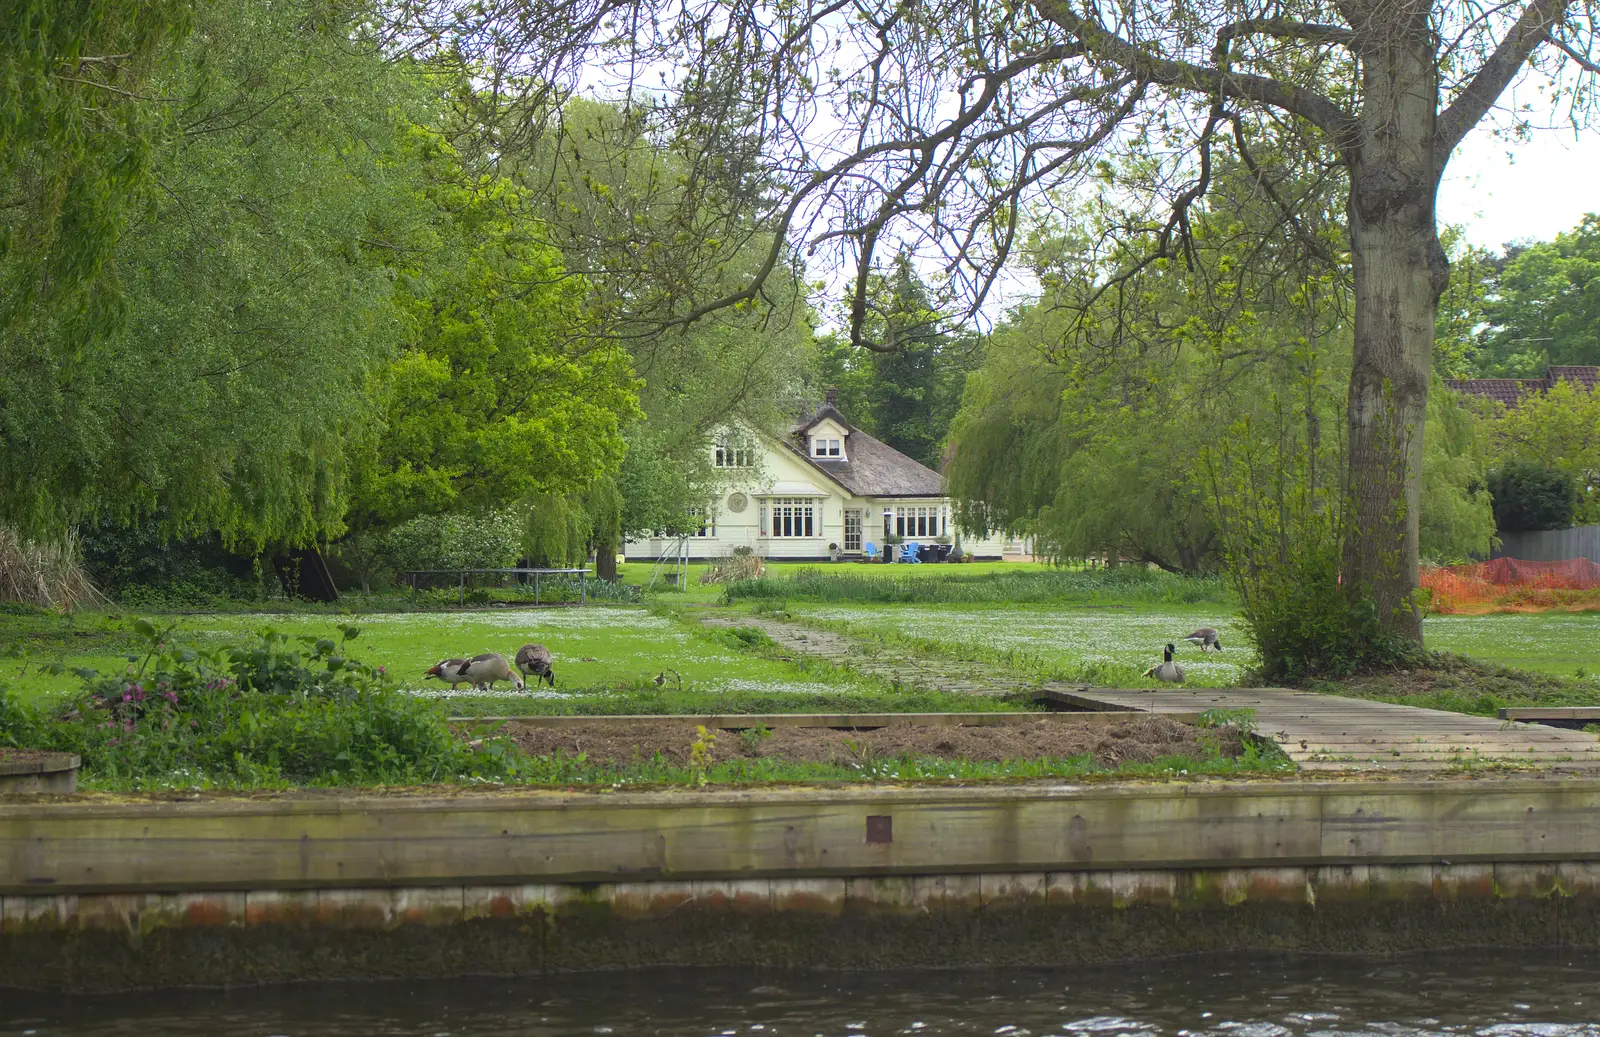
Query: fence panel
x=1552, y=545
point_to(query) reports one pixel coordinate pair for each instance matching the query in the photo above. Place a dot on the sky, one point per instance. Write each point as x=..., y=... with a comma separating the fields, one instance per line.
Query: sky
x=1500, y=192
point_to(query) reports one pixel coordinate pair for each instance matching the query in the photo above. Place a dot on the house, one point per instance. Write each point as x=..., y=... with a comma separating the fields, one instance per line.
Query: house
x=823, y=485
x=1509, y=390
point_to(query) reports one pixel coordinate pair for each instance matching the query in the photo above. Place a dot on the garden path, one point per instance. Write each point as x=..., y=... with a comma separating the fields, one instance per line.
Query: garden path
x=885, y=664
x=1319, y=732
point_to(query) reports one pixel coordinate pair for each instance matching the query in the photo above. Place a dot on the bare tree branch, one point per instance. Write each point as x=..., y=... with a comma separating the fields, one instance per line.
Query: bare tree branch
x=1320, y=111
x=1538, y=19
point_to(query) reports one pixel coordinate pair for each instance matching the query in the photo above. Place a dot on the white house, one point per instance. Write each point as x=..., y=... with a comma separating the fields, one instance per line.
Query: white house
x=825, y=484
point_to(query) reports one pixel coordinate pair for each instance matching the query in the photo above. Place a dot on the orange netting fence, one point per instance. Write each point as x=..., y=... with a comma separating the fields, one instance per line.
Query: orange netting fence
x=1511, y=583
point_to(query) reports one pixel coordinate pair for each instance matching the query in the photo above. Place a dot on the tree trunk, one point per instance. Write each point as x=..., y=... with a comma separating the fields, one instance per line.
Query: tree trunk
x=1397, y=263
x=605, y=561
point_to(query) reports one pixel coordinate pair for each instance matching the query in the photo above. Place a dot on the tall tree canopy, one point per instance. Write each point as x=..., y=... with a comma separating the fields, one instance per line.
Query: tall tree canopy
x=251, y=306
x=500, y=393
x=1536, y=304
x=879, y=123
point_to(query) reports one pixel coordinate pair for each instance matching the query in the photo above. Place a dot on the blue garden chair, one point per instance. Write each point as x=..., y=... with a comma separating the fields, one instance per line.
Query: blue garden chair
x=870, y=550
x=909, y=553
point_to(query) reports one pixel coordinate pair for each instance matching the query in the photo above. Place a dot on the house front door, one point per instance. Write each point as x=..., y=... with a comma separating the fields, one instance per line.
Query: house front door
x=852, y=531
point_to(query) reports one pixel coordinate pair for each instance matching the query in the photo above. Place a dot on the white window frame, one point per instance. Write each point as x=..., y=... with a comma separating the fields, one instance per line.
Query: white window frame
x=729, y=452
x=921, y=520
x=792, y=518
x=827, y=447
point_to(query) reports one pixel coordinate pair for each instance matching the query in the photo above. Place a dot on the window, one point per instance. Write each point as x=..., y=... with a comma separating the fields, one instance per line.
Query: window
x=708, y=523
x=733, y=455
x=793, y=517
x=920, y=521
x=821, y=447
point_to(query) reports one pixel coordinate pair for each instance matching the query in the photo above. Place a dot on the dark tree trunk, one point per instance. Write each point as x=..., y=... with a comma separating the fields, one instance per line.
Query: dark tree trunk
x=1398, y=266
x=605, y=562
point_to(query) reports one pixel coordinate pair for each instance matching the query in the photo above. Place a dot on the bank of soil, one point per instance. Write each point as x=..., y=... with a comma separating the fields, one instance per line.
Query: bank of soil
x=1458, y=684
x=1135, y=740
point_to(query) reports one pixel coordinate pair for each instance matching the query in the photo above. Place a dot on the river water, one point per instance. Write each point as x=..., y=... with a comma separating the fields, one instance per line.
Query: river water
x=1500, y=994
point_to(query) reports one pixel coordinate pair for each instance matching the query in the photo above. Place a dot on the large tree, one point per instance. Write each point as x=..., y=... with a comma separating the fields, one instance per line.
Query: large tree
x=881, y=122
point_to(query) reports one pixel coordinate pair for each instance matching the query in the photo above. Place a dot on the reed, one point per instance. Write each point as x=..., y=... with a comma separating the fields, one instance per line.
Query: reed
x=44, y=574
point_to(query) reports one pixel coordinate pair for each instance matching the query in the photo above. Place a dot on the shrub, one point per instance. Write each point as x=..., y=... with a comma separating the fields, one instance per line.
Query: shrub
x=1529, y=497
x=272, y=711
x=1305, y=625
x=18, y=724
x=143, y=567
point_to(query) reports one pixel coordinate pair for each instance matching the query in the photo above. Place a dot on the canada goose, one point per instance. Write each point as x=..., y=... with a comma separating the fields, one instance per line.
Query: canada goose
x=449, y=671
x=534, y=661
x=1166, y=670
x=484, y=670
x=1205, y=637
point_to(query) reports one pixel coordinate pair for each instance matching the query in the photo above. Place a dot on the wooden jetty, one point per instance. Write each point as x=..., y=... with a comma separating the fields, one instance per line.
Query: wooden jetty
x=1327, y=732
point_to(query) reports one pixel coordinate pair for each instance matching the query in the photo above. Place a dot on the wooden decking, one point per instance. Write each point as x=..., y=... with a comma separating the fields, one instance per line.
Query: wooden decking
x=1326, y=732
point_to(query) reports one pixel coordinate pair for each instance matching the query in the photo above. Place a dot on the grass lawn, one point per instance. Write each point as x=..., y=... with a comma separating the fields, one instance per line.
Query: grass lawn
x=597, y=648
x=1112, y=645
x=1109, y=645
x=606, y=656
x=1564, y=643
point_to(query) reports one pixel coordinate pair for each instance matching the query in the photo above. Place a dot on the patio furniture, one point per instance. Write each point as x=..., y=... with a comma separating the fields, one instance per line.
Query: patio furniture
x=908, y=553
x=870, y=550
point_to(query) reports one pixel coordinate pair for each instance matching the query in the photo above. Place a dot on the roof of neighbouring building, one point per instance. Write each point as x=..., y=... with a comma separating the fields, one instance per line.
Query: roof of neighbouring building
x=870, y=467
x=1509, y=390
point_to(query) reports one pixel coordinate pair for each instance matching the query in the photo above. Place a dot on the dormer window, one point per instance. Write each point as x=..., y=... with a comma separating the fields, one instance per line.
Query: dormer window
x=824, y=446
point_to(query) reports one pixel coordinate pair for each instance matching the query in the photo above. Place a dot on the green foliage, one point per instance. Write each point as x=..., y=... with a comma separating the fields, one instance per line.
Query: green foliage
x=275, y=710
x=1543, y=306
x=557, y=532
x=1086, y=425
x=1457, y=519
x=902, y=390
x=500, y=393
x=19, y=723
x=1558, y=429
x=141, y=567
x=908, y=397
x=1121, y=584
x=488, y=541
x=1283, y=519
x=1529, y=496
x=251, y=311
x=623, y=210
x=77, y=114
x=1461, y=317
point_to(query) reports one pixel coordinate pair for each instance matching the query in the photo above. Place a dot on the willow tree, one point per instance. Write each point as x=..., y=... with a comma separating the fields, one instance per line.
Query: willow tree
x=863, y=126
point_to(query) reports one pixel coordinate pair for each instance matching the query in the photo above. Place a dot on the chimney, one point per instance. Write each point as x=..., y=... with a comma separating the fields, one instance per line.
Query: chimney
x=831, y=397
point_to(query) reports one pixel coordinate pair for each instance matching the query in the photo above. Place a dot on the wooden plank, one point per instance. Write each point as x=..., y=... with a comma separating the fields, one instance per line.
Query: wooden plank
x=838, y=721
x=1351, y=732
x=1550, y=713
x=683, y=835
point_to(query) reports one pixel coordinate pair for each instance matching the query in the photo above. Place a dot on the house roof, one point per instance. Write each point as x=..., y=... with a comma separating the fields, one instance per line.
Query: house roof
x=1509, y=390
x=1586, y=377
x=871, y=467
